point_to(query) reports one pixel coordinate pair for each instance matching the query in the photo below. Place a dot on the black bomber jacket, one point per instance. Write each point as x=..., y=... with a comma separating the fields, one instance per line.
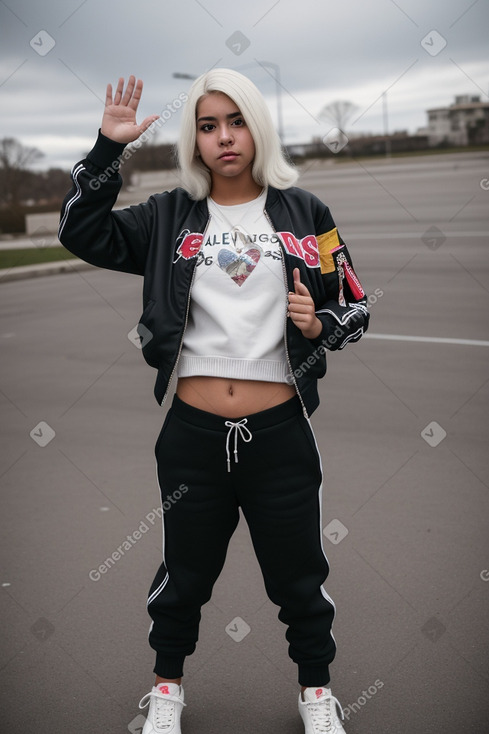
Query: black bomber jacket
x=160, y=240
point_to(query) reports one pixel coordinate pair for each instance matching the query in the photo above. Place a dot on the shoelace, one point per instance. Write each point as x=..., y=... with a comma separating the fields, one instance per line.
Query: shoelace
x=239, y=427
x=165, y=708
x=323, y=714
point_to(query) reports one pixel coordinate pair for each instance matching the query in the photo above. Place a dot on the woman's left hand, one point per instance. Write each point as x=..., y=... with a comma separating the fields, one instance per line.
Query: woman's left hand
x=301, y=309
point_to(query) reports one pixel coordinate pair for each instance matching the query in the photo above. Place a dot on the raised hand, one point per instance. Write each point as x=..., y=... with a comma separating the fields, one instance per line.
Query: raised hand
x=301, y=309
x=119, y=120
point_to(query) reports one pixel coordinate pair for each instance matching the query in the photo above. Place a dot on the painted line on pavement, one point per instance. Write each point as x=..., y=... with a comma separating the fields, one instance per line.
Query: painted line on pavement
x=429, y=339
x=351, y=235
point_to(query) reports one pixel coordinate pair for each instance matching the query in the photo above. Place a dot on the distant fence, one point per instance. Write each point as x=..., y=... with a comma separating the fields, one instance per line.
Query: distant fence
x=40, y=224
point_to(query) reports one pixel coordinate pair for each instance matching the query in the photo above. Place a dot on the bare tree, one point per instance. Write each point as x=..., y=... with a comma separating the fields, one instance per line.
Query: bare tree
x=338, y=113
x=15, y=160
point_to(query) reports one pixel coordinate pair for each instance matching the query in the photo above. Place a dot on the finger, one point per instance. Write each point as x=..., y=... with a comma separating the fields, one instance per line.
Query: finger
x=299, y=321
x=147, y=122
x=302, y=322
x=129, y=90
x=297, y=307
x=108, y=95
x=299, y=287
x=300, y=305
x=136, y=95
x=118, y=91
x=297, y=298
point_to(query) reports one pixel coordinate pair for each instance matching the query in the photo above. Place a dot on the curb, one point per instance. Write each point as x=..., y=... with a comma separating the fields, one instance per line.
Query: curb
x=24, y=272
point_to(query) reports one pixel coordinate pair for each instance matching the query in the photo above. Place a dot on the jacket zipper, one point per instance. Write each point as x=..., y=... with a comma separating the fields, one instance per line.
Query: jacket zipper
x=291, y=372
x=186, y=317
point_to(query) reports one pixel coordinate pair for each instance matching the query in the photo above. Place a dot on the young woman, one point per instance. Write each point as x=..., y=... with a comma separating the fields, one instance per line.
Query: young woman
x=246, y=284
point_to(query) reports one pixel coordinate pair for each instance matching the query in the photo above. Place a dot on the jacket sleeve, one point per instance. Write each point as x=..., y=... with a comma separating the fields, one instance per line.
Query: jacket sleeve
x=344, y=314
x=88, y=228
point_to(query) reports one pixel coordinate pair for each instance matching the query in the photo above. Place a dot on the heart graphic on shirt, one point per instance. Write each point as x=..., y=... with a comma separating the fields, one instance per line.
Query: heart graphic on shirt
x=238, y=266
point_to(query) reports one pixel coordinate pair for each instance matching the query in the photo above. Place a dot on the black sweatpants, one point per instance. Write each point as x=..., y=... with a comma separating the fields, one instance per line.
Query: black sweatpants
x=208, y=467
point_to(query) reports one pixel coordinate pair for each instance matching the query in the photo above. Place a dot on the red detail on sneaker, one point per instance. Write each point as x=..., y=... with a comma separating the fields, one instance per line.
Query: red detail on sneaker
x=319, y=692
x=164, y=689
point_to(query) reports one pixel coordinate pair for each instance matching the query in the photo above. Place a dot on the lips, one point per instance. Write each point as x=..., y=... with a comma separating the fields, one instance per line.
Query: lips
x=228, y=155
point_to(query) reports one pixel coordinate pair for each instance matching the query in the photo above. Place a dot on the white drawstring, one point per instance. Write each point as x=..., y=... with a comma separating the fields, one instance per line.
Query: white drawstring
x=238, y=427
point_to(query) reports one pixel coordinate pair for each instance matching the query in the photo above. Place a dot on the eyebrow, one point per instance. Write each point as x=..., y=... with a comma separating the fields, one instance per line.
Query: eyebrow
x=212, y=119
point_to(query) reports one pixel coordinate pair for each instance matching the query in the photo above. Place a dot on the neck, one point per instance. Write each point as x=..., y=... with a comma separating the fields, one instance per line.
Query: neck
x=229, y=191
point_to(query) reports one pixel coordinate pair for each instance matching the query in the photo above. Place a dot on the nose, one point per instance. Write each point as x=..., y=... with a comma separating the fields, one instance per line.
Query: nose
x=225, y=136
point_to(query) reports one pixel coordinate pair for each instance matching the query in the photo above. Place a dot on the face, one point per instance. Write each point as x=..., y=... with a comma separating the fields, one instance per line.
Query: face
x=223, y=139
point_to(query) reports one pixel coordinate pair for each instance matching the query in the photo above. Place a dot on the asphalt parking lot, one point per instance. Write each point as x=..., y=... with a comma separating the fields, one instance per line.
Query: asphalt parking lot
x=402, y=430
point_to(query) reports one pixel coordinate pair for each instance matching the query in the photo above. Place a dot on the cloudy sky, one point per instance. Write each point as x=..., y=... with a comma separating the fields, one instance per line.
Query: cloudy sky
x=58, y=55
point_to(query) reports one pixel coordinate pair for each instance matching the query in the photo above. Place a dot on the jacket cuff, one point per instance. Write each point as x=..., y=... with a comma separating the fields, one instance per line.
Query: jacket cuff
x=106, y=153
x=341, y=324
x=323, y=335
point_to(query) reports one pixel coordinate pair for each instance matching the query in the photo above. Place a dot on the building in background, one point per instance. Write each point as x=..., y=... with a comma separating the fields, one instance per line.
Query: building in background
x=465, y=122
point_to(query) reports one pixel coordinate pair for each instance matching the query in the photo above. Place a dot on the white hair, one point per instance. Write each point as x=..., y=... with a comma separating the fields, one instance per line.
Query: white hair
x=270, y=167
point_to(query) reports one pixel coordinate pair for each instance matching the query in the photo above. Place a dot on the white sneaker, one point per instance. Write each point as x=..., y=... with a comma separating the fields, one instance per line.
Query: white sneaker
x=318, y=712
x=165, y=707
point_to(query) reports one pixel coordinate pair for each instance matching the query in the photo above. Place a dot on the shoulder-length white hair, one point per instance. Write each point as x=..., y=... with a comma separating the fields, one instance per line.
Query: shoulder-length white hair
x=270, y=168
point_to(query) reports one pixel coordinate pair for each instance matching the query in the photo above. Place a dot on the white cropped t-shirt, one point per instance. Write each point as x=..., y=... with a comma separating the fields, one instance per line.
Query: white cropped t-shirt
x=238, y=300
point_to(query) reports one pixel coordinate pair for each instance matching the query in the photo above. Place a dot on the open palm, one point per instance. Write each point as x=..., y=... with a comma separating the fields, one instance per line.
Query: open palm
x=119, y=120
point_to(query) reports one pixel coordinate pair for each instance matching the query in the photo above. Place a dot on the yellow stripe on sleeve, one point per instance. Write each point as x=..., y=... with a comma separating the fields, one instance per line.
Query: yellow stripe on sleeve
x=327, y=242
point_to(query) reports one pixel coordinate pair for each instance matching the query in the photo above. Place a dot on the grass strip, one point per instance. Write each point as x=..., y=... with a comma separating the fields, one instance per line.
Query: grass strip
x=32, y=256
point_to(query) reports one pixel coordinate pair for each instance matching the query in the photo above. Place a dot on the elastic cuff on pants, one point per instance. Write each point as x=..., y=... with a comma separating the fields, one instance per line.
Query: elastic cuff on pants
x=313, y=676
x=167, y=667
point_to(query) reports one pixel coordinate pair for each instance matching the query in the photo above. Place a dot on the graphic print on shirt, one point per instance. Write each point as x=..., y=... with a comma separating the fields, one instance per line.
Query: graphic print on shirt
x=237, y=253
x=189, y=244
x=315, y=251
x=238, y=266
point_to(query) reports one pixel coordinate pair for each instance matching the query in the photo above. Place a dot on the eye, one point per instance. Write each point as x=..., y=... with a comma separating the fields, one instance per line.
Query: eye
x=239, y=122
x=207, y=127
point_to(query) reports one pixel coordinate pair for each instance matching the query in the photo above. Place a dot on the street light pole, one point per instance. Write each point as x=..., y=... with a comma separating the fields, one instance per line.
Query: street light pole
x=178, y=75
x=387, y=139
